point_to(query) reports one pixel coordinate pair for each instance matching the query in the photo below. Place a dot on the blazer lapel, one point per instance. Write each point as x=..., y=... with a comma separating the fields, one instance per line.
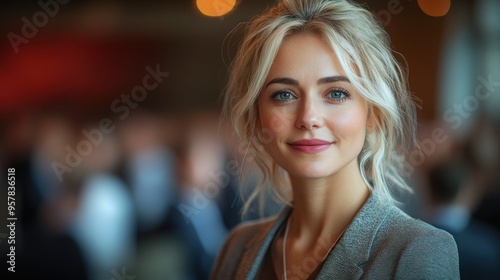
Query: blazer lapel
x=257, y=247
x=346, y=260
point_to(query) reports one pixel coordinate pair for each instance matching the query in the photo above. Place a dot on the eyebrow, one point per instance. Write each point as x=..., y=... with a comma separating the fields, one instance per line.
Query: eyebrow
x=325, y=80
x=333, y=79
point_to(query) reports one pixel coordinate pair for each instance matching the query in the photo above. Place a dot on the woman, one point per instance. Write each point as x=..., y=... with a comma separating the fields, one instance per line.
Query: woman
x=322, y=104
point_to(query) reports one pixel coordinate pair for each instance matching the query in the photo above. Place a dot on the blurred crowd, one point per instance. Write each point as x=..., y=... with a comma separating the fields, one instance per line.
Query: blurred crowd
x=153, y=198
x=156, y=197
x=457, y=188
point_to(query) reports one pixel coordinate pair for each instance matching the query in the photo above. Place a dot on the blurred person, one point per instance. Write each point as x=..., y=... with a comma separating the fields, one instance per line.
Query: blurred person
x=436, y=143
x=149, y=168
x=45, y=248
x=207, y=207
x=323, y=106
x=247, y=174
x=488, y=206
x=478, y=243
x=49, y=251
x=104, y=224
x=33, y=142
x=55, y=134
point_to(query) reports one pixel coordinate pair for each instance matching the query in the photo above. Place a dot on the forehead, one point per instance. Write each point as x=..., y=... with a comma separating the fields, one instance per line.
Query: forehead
x=305, y=55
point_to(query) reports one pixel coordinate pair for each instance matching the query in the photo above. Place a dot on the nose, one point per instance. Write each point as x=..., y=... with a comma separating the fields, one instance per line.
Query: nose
x=309, y=114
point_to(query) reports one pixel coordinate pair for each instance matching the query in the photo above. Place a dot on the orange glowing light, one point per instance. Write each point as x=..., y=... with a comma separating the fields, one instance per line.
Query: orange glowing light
x=435, y=8
x=215, y=8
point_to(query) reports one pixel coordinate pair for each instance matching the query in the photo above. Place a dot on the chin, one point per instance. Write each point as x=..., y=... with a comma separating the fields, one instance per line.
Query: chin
x=309, y=172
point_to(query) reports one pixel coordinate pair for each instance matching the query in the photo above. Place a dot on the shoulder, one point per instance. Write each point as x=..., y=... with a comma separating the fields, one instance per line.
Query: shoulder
x=239, y=237
x=420, y=250
x=408, y=228
x=236, y=245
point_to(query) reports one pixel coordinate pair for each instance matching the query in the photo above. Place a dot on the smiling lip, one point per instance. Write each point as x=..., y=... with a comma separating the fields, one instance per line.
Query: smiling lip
x=310, y=146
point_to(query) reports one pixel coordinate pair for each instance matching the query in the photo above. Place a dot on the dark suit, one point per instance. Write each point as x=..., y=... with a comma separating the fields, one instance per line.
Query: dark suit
x=478, y=249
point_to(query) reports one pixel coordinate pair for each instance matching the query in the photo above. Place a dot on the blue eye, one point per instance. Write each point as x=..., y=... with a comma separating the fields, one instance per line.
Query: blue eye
x=282, y=96
x=338, y=95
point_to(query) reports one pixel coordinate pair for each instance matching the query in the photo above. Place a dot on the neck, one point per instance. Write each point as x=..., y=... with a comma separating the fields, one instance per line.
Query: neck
x=324, y=207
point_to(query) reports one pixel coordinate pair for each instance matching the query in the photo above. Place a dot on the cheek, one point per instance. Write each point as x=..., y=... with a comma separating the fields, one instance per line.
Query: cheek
x=275, y=119
x=351, y=126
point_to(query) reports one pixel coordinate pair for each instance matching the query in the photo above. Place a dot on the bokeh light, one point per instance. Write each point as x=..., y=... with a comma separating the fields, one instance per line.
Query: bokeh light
x=435, y=8
x=215, y=8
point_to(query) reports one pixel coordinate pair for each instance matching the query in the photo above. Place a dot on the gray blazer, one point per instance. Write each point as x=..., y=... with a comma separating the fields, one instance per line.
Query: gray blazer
x=382, y=242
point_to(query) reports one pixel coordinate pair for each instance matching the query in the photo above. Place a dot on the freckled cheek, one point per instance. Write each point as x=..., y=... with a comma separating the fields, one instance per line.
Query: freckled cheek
x=276, y=120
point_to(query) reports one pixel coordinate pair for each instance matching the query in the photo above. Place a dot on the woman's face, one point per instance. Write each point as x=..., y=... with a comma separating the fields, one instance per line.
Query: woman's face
x=314, y=119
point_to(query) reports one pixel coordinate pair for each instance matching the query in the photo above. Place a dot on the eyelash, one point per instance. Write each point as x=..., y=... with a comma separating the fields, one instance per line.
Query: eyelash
x=346, y=96
x=275, y=95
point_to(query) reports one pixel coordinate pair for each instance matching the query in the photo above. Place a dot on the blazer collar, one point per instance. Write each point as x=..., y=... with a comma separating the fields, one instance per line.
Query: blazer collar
x=257, y=247
x=353, y=249
x=345, y=260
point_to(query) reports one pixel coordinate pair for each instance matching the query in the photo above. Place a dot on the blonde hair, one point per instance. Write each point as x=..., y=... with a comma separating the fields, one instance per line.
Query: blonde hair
x=363, y=49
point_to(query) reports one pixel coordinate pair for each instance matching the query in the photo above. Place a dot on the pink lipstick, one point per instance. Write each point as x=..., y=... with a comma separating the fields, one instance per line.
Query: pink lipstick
x=310, y=146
